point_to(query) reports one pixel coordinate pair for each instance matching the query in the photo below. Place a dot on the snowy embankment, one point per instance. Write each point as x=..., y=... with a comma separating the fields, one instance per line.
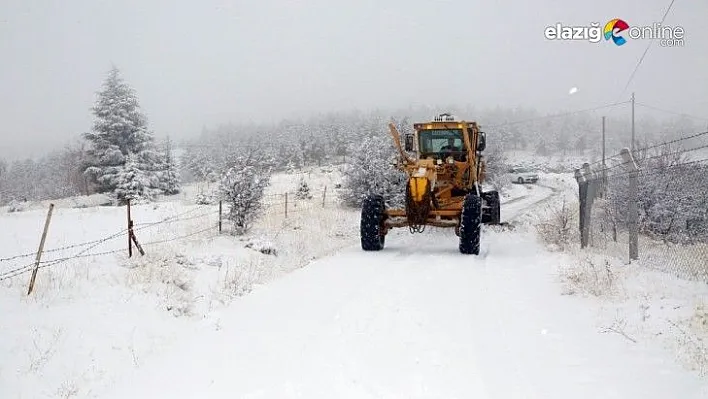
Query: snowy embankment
x=418, y=320
x=640, y=302
x=99, y=314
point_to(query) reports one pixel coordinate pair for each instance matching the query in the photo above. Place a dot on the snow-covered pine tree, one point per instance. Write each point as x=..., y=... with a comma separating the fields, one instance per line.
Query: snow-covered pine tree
x=242, y=187
x=369, y=171
x=119, y=131
x=303, y=190
x=169, y=177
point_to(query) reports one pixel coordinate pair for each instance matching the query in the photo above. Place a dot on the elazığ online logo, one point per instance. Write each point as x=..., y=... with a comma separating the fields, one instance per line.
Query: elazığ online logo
x=615, y=29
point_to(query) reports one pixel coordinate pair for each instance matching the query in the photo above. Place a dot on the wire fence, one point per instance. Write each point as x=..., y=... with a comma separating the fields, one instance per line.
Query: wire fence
x=651, y=205
x=196, y=222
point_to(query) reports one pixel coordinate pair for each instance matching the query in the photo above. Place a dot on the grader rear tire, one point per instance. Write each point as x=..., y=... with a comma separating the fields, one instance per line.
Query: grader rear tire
x=494, y=206
x=371, y=228
x=470, y=225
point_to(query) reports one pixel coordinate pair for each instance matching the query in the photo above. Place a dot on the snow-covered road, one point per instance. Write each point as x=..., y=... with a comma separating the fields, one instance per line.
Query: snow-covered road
x=415, y=320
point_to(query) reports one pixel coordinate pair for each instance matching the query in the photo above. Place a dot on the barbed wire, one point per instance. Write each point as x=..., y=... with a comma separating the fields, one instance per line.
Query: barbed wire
x=172, y=219
x=53, y=262
x=313, y=204
x=661, y=169
x=653, y=146
x=640, y=160
x=64, y=248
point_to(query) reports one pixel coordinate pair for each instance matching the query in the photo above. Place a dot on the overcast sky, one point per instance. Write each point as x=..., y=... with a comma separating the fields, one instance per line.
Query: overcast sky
x=203, y=63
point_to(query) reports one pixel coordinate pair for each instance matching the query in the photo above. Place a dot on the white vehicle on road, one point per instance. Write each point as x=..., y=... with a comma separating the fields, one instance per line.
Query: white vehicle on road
x=523, y=175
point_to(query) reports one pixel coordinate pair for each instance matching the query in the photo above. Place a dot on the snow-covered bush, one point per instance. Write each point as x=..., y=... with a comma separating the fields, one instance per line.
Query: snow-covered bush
x=242, y=187
x=207, y=198
x=370, y=170
x=496, y=167
x=16, y=206
x=261, y=245
x=134, y=183
x=672, y=198
x=558, y=231
x=589, y=277
x=303, y=190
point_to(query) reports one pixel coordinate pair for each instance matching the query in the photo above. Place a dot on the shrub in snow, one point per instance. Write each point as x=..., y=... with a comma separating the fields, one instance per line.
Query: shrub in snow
x=16, y=206
x=672, y=198
x=242, y=188
x=205, y=199
x=262, y=246
x=557, y=232
x=303, y=190
x=369, y=170
x=496, y=166
x=588, y=276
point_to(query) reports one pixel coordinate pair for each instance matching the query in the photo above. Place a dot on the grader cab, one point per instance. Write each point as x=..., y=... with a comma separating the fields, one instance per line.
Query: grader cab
x=445, y=168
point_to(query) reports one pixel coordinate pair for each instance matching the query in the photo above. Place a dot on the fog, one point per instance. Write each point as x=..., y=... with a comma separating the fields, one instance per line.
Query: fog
x=205, y=63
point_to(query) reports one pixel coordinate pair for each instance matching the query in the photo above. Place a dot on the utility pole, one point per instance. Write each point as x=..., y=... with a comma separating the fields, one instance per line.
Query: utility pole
x=604, y=161
x=604, y=165
x=632, y=144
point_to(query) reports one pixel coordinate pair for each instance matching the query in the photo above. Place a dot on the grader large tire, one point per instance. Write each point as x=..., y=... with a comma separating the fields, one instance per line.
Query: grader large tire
x=493, y=214
x=470, y=224
x=372, y=216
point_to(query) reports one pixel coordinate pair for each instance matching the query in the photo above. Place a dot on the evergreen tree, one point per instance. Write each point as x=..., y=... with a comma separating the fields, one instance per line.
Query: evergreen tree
x=134, y=183
x=170, y=178
x=303, y=190
x=119, y=132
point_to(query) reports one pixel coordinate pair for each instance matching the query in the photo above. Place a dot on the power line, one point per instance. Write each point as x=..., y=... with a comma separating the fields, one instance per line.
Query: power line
x=558, y=115
x=646, y=50
x=671, y=112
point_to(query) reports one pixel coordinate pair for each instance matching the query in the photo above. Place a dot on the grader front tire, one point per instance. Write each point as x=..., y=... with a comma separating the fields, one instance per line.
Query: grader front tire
x=371, y=228
x=470, y=225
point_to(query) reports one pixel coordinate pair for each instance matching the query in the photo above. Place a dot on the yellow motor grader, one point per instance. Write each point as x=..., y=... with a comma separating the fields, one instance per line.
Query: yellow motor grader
x=444, y=185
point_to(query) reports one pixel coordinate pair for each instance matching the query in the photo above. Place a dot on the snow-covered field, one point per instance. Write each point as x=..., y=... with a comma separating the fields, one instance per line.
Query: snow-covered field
x=208, y=315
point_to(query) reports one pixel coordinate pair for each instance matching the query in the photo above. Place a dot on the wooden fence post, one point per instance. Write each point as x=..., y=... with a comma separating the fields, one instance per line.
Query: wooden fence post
x=633, y=214
x=220, y=207
x=41, y=248
x=582, y=197
x=130, y=232
x=132, y=239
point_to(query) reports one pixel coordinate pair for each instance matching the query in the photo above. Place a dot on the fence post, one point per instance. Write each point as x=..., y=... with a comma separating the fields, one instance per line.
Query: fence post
x=633, y=214
x=220, y=207
x=41, y=248
x=286, y=204
x=582, y=196
x=130, y=232
x=324, y=196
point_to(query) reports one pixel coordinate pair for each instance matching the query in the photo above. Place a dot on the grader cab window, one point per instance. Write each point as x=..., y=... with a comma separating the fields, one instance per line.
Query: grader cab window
x=434, y=142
